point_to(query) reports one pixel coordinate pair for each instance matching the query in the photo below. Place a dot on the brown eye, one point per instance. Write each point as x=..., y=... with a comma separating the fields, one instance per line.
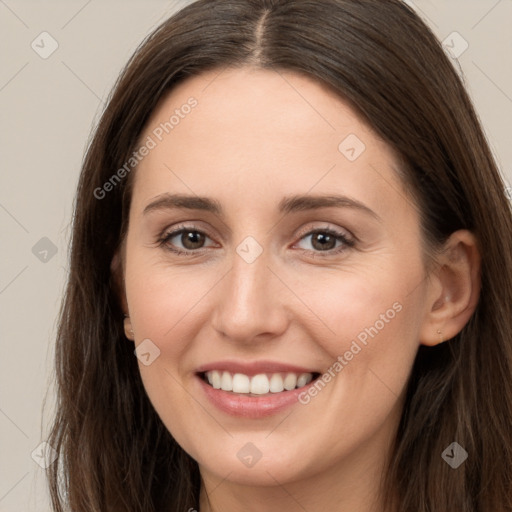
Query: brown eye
x=325, y=240
x=185, y=240
x=191, y=239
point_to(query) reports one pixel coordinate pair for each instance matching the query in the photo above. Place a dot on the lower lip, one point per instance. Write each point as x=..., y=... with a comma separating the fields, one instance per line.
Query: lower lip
x=252, y=406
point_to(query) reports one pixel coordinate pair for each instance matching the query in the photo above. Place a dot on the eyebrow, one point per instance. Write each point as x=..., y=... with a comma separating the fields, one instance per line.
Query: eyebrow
x=288, y=204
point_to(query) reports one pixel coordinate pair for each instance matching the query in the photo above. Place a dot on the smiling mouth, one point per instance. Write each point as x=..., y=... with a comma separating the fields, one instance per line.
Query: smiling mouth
x=257, y=385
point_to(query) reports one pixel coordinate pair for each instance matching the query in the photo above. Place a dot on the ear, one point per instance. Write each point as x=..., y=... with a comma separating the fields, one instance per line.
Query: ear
x=453, y=289
x=117, y=272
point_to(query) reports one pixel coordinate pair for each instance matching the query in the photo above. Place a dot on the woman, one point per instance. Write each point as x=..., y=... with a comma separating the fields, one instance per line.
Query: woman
x=334, y=330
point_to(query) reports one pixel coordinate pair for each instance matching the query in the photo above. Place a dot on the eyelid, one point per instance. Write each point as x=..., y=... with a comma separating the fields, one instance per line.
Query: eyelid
x=175, y=230
x=326, y=227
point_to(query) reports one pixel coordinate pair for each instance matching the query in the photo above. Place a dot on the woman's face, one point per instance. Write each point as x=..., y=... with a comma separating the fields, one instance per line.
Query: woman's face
x=279, y=284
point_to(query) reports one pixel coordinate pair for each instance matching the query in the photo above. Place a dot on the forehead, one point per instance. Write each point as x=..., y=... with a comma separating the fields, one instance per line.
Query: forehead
x=260, y=104
x=256, y=133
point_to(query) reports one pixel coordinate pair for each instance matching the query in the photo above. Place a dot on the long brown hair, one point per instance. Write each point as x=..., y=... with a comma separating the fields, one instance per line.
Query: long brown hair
x=115, y=454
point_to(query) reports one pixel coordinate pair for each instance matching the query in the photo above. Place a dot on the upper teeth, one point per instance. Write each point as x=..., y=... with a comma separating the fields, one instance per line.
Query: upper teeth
x=257, y=384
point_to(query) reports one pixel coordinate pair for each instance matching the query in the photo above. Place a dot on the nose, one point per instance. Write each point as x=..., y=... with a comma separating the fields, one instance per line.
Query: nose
x=252, y=302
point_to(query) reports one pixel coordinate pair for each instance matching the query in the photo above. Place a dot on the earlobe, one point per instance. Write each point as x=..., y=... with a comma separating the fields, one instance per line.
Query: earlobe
x=454, y=290
x=128, y=329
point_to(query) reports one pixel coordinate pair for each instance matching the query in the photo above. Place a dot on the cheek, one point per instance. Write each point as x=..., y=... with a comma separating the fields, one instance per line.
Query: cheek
x=370, y=327
x=163, y=301
x=363, y=306
x=165, y=307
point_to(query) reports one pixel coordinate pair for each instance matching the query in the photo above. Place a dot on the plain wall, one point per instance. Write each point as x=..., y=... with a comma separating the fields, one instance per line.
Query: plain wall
x=48, y=108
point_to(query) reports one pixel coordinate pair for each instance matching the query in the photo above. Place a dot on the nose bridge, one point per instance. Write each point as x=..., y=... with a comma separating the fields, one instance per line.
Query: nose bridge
x=249, y=300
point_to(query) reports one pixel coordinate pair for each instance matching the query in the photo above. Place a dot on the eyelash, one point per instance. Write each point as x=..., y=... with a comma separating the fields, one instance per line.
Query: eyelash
x=164, y=241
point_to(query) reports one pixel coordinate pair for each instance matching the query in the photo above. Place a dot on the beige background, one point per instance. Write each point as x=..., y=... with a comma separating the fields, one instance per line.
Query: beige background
x=48, y=107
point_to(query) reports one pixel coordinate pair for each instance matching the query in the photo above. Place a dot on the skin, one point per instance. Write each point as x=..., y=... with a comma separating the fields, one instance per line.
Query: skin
x=254, y=137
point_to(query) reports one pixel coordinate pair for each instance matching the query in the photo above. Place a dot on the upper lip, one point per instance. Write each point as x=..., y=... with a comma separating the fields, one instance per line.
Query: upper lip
x=251, y=368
